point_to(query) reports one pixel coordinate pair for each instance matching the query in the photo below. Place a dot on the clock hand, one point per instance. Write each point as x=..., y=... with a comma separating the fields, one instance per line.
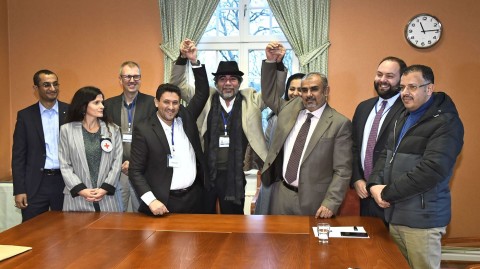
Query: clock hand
x=423, y=30
x=431, y=30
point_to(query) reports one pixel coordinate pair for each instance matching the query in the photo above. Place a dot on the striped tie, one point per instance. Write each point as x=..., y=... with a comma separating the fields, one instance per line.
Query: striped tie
x=294, y=161
x=372, y=140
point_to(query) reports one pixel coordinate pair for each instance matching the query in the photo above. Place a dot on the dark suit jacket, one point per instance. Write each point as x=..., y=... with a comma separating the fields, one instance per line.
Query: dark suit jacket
x=28, y=151
x=358, y=126
x=144, y=108
x=325, y=169
x=148, y=169
x=368, y=207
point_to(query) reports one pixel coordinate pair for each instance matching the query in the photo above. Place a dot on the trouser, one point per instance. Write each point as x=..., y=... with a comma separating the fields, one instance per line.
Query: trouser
x=421, y=247
x=49, y=196
x=218, y=192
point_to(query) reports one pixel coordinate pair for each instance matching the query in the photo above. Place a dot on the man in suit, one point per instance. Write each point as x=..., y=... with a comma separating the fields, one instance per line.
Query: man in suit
x=412, y=175
x=368, y=145
x=167, y=165
x=309, y=177
x=126, y=110
x=37, y=180
x=230, y=121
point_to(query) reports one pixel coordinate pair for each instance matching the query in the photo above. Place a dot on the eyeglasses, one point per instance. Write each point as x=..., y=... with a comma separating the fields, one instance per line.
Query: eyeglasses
x=413, y=88
x=129, y=77
x=50, y=84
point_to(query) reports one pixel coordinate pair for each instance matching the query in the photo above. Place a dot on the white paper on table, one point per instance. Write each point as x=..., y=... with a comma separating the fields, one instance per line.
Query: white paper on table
x=7, y=251
x=335, y=231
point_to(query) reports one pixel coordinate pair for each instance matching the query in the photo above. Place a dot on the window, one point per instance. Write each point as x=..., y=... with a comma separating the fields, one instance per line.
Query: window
x=238, y=31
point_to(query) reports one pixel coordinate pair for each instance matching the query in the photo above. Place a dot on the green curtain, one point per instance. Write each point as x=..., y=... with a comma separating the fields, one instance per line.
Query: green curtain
x=305, y=24
x=180, y=20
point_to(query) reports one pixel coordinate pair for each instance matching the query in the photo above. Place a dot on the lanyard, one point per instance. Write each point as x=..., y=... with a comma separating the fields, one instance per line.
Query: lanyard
x=129, y=108
x=225, y=121
x=173, y=128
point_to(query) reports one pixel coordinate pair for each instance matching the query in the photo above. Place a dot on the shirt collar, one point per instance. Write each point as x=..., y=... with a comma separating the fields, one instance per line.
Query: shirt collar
x=224, y=104
x=54, y=108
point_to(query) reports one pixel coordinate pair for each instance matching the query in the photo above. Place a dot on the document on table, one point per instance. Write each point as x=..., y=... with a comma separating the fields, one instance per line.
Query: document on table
x=7, y=251
x=351, y=230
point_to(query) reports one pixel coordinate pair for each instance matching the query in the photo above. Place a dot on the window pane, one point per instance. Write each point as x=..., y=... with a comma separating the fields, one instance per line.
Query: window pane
x=224, y=21
x=211, y=58
x=255, y=58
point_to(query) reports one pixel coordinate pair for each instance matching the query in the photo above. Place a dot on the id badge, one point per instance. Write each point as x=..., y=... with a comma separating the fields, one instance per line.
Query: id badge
x=172, y=161
x=224, y=141
x=126, y=137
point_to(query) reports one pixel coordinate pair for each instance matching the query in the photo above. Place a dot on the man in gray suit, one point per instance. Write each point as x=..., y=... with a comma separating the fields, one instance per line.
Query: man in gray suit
x=126, y=110
x=310, y=177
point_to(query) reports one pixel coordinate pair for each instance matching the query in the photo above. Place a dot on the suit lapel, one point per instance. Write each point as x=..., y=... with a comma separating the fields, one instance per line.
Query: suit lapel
x=285, y=123
x=396, y=107
x=37, y=122
x=157, y=128
x=322, y=126
x=79, y=145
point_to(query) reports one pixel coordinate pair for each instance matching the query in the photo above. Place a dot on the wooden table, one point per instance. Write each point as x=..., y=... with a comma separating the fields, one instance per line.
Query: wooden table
x=133, y=240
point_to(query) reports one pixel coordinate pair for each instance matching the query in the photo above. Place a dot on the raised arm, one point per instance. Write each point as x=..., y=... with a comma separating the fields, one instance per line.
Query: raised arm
x=273, y=77
x=179, y=75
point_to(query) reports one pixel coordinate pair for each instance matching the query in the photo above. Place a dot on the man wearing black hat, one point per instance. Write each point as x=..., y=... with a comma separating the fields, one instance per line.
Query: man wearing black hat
x=229, y=122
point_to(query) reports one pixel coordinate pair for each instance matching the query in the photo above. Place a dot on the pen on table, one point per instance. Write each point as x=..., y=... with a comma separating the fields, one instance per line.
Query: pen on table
x=355, y=228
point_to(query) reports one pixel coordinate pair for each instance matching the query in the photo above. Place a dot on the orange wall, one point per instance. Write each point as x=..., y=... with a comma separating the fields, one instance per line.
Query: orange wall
x=363, y=32
x=5, y=136
x=85, y=42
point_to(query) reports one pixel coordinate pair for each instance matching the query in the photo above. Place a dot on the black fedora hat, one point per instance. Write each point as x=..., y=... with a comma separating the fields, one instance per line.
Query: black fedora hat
x=228, y=68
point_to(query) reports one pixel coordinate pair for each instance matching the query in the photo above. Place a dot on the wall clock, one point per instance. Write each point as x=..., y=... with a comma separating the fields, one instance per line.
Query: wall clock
x=423, y=31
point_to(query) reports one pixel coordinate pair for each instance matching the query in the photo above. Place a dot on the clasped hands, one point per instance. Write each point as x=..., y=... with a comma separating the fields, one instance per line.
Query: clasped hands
x=92, y=195
x=275, y=52
x=188, y=50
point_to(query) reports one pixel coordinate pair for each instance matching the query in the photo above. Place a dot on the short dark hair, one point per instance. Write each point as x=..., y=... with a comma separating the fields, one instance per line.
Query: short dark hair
x=427, y=72
x=289, y=80
x=239, y=78
x=167, y=87
x=80, y=100
x=399, y=61
x=36, y=76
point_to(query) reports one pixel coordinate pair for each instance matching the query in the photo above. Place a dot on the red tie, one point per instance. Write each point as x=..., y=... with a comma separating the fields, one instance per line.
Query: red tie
x=372, y=140
x=294, y=161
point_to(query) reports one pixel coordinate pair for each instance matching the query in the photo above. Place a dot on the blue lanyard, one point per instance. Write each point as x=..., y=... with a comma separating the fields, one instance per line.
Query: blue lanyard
x=129, y=112
x=225, y=121
x=173, y=128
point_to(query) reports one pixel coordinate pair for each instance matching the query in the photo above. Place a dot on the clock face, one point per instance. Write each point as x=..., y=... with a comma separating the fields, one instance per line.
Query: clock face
x=423, y=31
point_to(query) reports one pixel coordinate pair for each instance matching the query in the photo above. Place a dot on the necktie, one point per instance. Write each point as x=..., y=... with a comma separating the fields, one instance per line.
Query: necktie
x=294, y=161
x=372, y=140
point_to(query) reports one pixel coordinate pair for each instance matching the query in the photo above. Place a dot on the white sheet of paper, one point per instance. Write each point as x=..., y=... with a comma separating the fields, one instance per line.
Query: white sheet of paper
x=335, y=231
x=7, y=251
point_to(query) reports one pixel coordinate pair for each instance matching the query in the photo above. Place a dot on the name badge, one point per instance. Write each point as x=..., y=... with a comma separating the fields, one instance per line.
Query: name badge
x=172, y=161
x=106, y=145
x=224, y=141
x=127, y=138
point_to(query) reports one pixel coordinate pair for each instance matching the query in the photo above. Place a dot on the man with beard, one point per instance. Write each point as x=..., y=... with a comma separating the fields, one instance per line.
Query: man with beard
x=37, y=181
x=126, y=110
x=412, y=175
x=229, y=122
x=372, y=122
x=309, y=163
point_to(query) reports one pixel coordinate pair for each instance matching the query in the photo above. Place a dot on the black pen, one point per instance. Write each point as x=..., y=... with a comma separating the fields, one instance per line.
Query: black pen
x=355, y=228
